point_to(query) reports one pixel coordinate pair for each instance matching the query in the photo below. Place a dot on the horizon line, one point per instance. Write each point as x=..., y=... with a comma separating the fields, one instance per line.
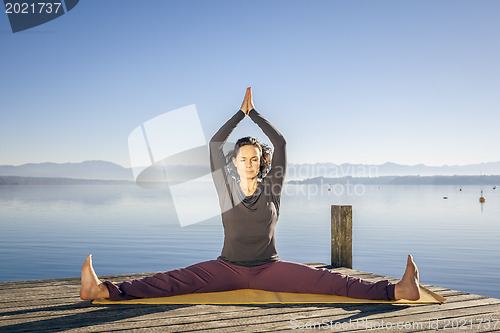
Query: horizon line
x=343, y=163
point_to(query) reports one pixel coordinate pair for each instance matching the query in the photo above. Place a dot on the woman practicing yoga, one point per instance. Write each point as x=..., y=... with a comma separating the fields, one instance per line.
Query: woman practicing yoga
x=249, y=184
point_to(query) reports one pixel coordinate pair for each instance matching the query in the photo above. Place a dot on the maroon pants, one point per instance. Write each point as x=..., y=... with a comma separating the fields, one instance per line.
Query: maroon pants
x=280, y=276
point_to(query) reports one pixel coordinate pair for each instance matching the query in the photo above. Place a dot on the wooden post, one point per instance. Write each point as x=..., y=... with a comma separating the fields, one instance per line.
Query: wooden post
x=341, y=236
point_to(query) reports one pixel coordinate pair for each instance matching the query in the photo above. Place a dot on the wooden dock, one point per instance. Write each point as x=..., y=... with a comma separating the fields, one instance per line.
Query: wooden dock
x=54, y=306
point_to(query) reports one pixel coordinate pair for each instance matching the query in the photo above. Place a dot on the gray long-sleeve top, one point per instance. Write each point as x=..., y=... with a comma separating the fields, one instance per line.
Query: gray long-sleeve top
x=249, y=221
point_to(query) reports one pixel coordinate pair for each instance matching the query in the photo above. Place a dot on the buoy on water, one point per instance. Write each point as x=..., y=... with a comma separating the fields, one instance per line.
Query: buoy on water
x=482, y=199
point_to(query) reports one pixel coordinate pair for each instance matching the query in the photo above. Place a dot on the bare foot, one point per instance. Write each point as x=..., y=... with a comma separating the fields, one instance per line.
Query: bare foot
x=92, y=287
x=408, y=287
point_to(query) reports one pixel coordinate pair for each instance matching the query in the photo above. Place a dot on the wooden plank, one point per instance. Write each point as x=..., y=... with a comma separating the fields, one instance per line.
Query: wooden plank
x=53, y=305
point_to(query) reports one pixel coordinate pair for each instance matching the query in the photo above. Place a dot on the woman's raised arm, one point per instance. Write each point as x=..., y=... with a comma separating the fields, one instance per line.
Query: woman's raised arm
x=278, y=163
x=247, y=104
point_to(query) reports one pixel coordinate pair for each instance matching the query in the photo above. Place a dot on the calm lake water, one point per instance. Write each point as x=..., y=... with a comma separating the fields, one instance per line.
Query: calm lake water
x=47, y=231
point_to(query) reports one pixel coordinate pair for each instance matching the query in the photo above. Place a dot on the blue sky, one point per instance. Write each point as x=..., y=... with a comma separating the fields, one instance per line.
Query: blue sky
x=345, y=81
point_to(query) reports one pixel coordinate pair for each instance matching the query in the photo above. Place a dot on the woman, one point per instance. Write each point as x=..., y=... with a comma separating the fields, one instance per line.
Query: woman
x=249, y=188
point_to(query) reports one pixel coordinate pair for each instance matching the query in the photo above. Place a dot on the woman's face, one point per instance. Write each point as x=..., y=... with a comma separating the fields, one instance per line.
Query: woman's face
x=247, y=161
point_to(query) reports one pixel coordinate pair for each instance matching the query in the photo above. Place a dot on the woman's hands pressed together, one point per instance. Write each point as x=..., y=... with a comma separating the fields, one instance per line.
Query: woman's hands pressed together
x=247, y=104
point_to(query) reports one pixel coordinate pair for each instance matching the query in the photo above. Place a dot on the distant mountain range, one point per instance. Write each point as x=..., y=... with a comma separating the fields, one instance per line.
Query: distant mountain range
x=85, y=170
x=330, y=170
x=403, y=180
x=102, y=170
x=15, y=180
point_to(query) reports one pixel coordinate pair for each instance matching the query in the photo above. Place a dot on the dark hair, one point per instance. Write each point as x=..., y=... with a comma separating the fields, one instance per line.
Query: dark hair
x=265, y=150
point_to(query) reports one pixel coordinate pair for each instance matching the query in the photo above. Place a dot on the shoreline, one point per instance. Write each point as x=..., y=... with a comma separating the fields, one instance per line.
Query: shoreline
x=461, y=180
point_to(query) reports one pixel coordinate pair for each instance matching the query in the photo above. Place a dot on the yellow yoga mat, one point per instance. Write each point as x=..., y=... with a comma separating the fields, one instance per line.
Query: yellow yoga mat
x=253, y=296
